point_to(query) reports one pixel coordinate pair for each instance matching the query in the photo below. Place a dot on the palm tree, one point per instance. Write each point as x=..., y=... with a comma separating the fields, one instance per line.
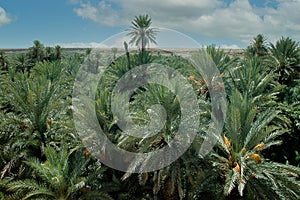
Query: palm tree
x=88, y=51
x=37, y=51
x=16, y=145
x=60, y=177
x=29, y=105
x=141, y=32
x=221, y=59
x=288, y=151
x=58, y=52
x=252, y=79
x=39, y=98
x=285, y=58
x=257, y=47
x=22, y=62
x=3, y=61
x=170, y=182
x=239, y=156
x=48, y=55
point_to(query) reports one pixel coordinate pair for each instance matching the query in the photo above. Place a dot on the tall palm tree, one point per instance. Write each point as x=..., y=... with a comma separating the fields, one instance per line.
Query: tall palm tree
x=37, y=51
x=141, y=32
x=257, y=47
x=285, y=58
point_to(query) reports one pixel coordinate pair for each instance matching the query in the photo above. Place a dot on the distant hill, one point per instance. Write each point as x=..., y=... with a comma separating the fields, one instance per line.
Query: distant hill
x=232, y=52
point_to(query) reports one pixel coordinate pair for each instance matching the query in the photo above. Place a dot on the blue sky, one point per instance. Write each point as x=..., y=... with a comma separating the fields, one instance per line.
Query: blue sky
x=80, y=23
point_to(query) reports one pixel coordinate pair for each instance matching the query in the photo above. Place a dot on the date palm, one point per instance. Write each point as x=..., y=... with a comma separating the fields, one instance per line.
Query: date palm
x=285, y=59
x=221, y=59
x=239, y=156
x=22, y=62
x=29, y=104
x=257, y=47
x=172, y=181
x=252, y=79
x=48, y=54
x=3, y=61
x=60, y=177
x=38, y=99
x=141, y=32
x=16, y=146
x=58, y=52
x=179, y=178
x=36, y=51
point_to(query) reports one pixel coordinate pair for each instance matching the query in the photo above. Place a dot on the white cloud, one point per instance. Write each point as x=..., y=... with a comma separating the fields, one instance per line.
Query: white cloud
x=168, y=10
x=238, y=20
x=230, y=46
x=82, y=45
x=103, y=13
x=285, y=20
x=161, y=11
x=4, y=18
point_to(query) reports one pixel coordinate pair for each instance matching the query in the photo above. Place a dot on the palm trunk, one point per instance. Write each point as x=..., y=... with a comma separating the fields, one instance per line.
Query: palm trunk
x=170, y=192
x=143, y=43
x=127, y=54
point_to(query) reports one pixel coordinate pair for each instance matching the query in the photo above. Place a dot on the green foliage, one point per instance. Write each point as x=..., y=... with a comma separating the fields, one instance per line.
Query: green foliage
x=288, y=151
x=34, y=111
x=168, y=183
x=38, y=98
x=239, y=154
x=36, y=52
x=256, y=156
x=285, y=59
x=142, y=58
x=61, y=176
x=3, y=61
x=220, y=58
x=141, y=32
x=22, y=62
x=252, y=78
x=258, y=47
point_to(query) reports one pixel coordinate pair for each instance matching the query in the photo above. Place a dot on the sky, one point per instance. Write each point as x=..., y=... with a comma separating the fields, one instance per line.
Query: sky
x=87, y=23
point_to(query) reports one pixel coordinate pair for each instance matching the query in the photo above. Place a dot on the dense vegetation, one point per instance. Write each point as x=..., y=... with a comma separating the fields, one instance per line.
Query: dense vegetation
x=257, y=155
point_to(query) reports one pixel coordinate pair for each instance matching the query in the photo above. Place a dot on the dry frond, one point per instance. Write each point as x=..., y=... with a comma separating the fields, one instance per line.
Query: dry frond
x=259, y=146
x=192, y=77
x=256, y=157
x=227, y=141
x=237, y=167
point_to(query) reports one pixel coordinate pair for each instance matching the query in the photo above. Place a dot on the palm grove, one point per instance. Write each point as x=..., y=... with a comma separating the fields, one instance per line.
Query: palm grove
x=257, y=155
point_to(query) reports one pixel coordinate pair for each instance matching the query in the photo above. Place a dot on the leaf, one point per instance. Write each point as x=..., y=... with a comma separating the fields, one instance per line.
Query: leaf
x=230, y=182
